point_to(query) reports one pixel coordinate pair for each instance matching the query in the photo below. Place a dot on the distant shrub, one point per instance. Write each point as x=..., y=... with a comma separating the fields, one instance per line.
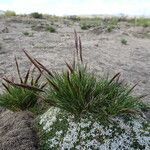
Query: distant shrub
x=85, y=26
x=10, y=13
x=110, y=28
x=124, y=41
x=74, y=18
x=36, y=15
x=26, y=33
x=145, y=22
x=51, y=29
x=146, y=25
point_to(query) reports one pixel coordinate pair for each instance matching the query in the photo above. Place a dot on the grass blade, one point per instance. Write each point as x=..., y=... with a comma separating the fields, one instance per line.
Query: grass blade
x=23, y=85
x=18, y=70
x=6, y=87
x=131, y=89
x=53, y=84
x=76, y=42
x=32, y=60
x=44, y=68
x=70, y=67
x=43, y=85
x=80, y=48
x=27, y=76
x=115, y=76
x=37, y=79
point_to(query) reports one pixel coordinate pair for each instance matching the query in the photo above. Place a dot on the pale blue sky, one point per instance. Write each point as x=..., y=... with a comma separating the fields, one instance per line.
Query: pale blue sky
x=78, y=7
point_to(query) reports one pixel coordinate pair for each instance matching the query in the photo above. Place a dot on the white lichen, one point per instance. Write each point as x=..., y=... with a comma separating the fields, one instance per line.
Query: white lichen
x=90, y=134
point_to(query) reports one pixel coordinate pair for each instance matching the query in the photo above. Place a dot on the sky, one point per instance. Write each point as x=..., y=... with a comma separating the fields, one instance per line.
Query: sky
x=78, y=7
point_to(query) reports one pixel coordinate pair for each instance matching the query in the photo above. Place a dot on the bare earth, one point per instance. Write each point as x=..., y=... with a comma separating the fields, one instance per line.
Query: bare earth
x=103, y=51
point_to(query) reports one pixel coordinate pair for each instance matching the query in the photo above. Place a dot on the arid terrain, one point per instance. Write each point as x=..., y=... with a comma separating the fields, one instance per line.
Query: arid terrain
x=102, y=50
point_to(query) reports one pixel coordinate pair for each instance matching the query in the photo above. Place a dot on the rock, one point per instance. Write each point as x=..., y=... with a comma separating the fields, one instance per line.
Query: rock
x=63, y=131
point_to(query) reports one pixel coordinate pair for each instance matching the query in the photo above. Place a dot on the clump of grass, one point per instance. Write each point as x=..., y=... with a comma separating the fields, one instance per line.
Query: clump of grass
x=18, y=99
x=110, y=28
x=124, y=41
x=51, y=29
x=36, y=15
x=85, y=26
x=80, y=92
x=73, y=18
x=26, y=33
x=10, y=13
x=21, y=96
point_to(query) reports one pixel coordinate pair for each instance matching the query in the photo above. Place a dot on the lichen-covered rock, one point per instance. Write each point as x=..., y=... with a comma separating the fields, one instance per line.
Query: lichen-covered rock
x=62, y=131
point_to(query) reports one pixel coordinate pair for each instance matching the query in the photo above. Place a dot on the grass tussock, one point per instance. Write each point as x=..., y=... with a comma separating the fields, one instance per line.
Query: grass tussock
x=51, y=29
x=36, y=15
x=80, y=92
x=124, y=41
x=23, y=95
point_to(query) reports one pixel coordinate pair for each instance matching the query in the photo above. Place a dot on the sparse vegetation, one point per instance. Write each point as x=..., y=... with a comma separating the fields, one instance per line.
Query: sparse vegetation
x=110, y=28
x=36, y=15
x=10, y=13
x=145, y=22
x=73, y=18
x=28, y=34
x=86, y=23
x=124, y=41
x=51, y=29
x=85, y=26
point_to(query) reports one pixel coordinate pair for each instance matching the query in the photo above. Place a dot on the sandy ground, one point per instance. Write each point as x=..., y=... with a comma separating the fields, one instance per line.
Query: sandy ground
x=103, y=51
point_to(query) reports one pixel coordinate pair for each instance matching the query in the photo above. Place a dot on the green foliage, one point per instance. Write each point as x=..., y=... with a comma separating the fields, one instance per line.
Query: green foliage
x=124, y=41
x=10, y=13
x=26, y=33
x=85, y=26
x=36, y=15
x=86, y=23
x=145, y=22
x=110, y=28
x=51, y=29
x=73, y=18
x=18, y=99
x=80, y=92
x=23, y=95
